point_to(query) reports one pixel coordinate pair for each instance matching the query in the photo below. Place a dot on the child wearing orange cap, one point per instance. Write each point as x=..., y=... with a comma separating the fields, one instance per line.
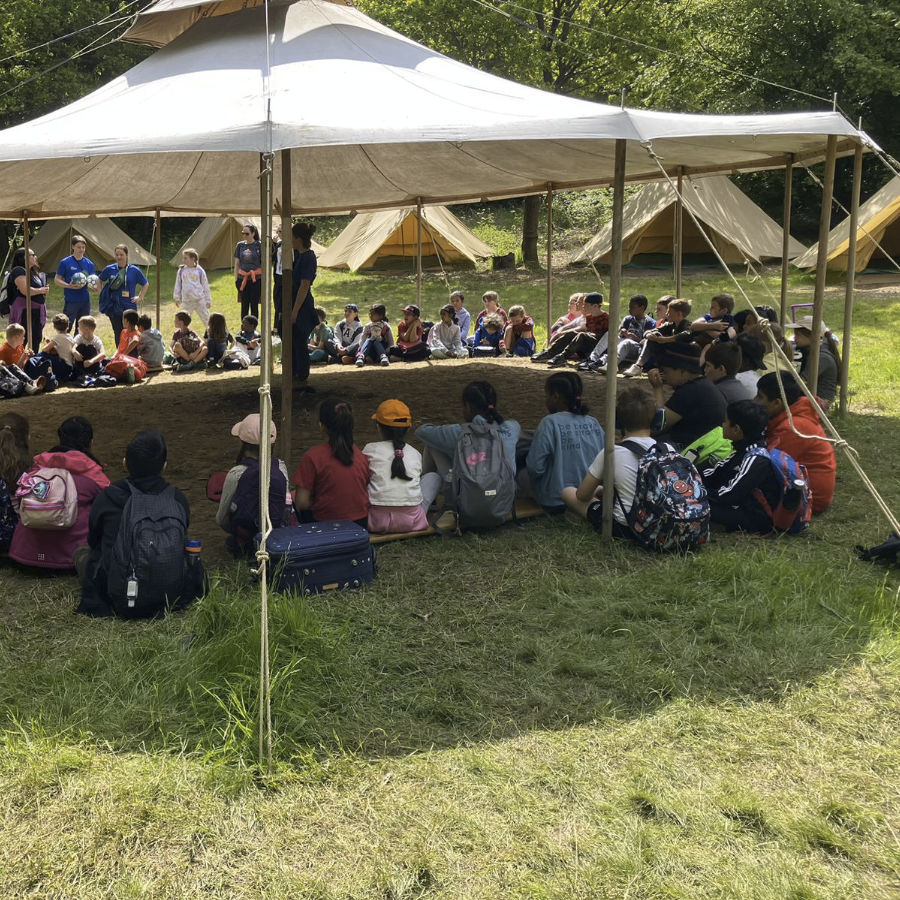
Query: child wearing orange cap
x=395, y=495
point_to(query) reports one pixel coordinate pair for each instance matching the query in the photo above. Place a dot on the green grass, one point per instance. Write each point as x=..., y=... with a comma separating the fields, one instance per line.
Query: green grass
x=524, y=714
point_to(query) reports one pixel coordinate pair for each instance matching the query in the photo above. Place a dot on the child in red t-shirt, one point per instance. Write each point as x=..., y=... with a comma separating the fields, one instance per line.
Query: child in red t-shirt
x=331, y=480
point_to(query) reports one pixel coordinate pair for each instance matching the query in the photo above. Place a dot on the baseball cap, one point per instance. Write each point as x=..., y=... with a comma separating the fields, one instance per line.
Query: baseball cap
x=394, y=413
x=248, y=429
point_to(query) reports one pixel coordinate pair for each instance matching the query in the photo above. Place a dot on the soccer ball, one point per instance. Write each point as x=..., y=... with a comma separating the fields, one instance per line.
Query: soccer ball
x=93, y=281
x=79, y=279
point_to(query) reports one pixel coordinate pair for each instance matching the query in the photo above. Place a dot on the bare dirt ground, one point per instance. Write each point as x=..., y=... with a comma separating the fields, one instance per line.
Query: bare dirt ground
x=196, y=411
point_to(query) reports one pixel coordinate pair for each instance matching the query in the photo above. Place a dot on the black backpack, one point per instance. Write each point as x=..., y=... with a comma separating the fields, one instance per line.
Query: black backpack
x=245, y=501
x=5, y=301
x=147, y=569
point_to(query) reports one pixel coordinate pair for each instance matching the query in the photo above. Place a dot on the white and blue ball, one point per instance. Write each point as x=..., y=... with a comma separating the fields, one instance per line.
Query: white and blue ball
x=78, y=280
x=93, y=282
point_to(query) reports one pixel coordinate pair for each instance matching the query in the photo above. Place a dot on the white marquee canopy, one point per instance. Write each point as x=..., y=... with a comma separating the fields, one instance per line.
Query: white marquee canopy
x=374, y=120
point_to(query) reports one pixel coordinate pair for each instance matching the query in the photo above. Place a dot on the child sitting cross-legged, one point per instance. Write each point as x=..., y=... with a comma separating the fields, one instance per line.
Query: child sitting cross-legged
x=89, y=352
x=395, y=493
x=238, y=512
x=410, y=347
x=58, y=348
x=246, y=348
x=735, y=484
x=376, y=338
x=445, y=337
x=14, y=355
x=129, y=336
x=519, y=335
x=346, y=335
x=218, y=340
x=635, y=412
x=187, y=348
x=321, y=339
x=151, y=348
x=488, y=339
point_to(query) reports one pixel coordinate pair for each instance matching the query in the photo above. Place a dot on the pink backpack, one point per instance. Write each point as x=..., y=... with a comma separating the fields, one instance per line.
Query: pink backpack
x=48, y=499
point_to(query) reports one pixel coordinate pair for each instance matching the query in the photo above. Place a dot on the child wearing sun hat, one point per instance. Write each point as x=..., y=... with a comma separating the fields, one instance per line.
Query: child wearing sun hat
x=395, y=494
x=238, y=512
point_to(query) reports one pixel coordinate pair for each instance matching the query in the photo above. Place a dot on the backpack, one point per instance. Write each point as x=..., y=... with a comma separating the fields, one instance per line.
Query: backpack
x=146, y=571
x=670, y=510
x=483, y=480
x=48, y=499
x=5, y=303
x=245, y=500
x=793, y=511
x=10, y=386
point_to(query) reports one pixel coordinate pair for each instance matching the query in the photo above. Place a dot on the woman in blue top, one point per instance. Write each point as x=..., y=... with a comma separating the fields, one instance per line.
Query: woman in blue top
x=248, y=271
x=479, y=404
x=124, y=287
x=303, y=315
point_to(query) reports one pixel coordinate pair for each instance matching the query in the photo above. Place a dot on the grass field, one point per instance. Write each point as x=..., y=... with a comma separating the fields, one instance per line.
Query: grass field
x=529, y=713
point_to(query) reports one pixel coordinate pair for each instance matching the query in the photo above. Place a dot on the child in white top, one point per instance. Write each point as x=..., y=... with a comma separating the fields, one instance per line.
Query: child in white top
x=192, y=286
x=395, y=470
x=445, y=339
x=60, y=342
x=346, y=335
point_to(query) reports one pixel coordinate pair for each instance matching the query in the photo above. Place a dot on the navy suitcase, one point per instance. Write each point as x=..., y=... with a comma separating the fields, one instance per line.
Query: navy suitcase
x=321, y=556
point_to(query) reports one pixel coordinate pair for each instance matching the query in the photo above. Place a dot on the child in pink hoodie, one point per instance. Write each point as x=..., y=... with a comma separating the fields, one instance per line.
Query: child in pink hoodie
x=55, y=549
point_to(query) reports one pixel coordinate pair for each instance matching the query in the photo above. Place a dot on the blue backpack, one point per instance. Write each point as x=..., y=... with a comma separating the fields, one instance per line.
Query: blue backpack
x=245, y=501
x=793, y=510
x=670, y=510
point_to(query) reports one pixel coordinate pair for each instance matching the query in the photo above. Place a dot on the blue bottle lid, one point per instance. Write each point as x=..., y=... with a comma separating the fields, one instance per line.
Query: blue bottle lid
x=193, y=546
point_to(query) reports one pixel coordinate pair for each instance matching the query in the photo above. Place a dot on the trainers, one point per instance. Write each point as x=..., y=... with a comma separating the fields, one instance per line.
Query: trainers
x=544, y=356
x=633, y=371
x=36, y=386
x=557, y=362
x=360, y=362
x=185, y=366
x=385, y=361
x=586, y=366
x=347, y=360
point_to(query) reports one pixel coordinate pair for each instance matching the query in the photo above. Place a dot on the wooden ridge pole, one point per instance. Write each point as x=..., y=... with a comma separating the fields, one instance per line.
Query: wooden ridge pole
x=28, y=328
x=615, y=292
x=419, y=252
x=158, y=266
x=679, y=233
x=851, y=276
x=549, y=259
x=287, y=303
x=822, y=263
x=786, y=236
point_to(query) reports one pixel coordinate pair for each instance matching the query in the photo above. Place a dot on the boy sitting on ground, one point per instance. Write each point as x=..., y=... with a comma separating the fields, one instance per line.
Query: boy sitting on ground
x=723, y=362
x=13, y=358
x=89, y=352
x=187, y=347
x=733, y=484
x=631, y=335
x=579, y=342
x=519, y=335
x=59, y=346
x=151, y=348
x=717, y=324
x=635, y=411
x=676, y=324
x=130, y=337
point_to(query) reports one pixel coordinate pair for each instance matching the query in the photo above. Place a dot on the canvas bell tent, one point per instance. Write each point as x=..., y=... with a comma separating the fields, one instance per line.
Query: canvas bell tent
x=389, y=240
x=877, y=234
x=53, y=242
x=737, y=227
x=215, y=239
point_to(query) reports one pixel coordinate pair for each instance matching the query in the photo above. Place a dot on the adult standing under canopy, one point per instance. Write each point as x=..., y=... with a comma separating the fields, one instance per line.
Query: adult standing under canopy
x=77, y=299
x=303, y=314
x=18, y=310
x=248, y=271
x=124, y=287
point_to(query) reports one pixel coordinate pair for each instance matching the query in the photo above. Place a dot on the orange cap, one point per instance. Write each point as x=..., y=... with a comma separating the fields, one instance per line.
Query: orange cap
x=393, y=413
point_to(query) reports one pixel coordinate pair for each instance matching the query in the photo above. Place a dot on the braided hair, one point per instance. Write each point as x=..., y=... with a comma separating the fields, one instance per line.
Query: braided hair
x=396, y=434
x=568, y=385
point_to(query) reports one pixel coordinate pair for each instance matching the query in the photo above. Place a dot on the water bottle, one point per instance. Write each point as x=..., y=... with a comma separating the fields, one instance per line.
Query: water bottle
x=794, y=494
x=192, y=550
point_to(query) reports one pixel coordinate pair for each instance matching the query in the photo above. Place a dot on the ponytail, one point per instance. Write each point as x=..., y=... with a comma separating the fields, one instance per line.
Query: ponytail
x=397, y=436
x=568, y=385
x=337, y=417
x=14, y=456
x=481, y=397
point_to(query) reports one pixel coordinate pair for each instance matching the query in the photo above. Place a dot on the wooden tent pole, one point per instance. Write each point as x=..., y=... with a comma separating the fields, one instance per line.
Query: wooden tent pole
x=28, y=328
x=287, y=302
x=549, y=259
x=419, y=252
x=786, y=236
x=851, y=276
x=615, y=291
x=158, y=267
x=822, y=263
x=679, y=232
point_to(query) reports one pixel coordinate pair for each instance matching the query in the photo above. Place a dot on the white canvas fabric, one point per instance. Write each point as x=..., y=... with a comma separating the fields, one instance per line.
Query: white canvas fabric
x=53, y=242
x=879, y=221
x=738, y=228
x=384, y=237
x=374, y=120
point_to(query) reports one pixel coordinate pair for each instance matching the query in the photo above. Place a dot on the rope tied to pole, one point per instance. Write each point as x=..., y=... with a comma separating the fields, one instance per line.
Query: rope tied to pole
x=836, y=439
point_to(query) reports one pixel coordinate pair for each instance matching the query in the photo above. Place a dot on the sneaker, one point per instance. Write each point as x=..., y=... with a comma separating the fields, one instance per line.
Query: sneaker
x=557, y=362
x=586, y=366
x=184, y=366
x=36, y=386
x=544, y=356
x=633, y=371
x=347, y=360
x=360, y=362
x=221, y=363
x=385, y=361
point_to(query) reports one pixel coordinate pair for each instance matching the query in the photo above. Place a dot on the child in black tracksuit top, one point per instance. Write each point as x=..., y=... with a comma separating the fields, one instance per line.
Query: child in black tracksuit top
x=732, y=484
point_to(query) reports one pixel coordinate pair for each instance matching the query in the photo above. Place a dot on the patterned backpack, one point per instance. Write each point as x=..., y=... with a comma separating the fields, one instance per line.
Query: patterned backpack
x=794, y=508
x=48, y=499
x=670, y=510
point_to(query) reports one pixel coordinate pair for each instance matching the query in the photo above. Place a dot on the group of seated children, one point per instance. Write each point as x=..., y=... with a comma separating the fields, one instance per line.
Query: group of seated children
x=218, y=348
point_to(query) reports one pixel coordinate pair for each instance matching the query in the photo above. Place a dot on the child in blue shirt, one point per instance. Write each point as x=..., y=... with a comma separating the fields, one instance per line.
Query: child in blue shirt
x=717, y=324
x=564, y=445
x=488, y=340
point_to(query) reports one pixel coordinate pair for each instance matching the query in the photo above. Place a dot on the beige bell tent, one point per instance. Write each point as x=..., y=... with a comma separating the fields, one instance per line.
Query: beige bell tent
x=389, y=239
x=737, y=227
x=215, y=239
x=877, y=234
x=53, y=242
